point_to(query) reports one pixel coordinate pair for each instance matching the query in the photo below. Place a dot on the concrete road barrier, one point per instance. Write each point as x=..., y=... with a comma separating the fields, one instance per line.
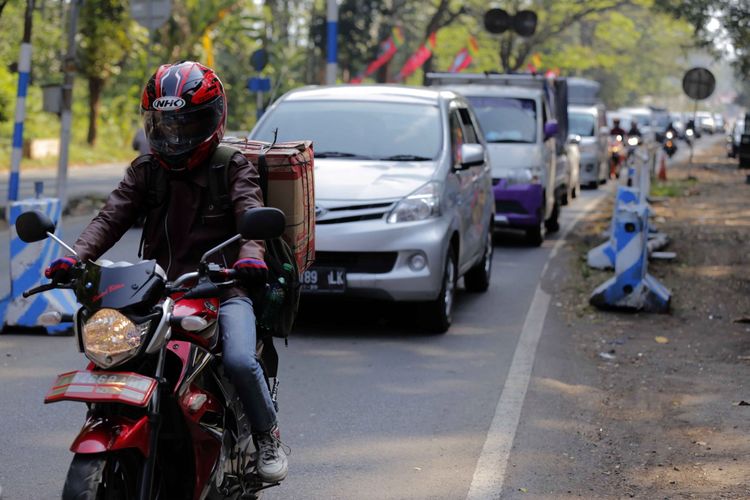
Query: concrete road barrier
x=631, y=287
x=27, y=264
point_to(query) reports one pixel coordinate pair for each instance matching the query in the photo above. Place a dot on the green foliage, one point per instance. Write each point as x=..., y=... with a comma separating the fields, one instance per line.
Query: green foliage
x=104, y=40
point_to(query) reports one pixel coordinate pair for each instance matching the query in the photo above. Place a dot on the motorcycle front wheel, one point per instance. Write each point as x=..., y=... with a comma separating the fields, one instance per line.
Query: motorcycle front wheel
x=103, y=476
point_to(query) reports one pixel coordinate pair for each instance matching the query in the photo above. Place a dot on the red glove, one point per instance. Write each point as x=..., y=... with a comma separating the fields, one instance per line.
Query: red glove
x=59, y=270
x=252, y=272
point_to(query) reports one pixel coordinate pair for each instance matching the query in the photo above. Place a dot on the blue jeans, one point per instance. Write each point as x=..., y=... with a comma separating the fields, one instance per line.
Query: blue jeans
x=237, y=326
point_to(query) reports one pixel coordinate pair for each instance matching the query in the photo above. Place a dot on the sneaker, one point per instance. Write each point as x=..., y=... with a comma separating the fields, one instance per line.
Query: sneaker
x=272, y=463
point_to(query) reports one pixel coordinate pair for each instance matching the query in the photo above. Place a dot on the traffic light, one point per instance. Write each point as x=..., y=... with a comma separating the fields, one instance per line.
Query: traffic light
x=498, y=21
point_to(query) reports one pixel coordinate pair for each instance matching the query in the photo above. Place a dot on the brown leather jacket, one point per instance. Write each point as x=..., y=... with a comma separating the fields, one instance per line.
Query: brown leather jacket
x=182, y=228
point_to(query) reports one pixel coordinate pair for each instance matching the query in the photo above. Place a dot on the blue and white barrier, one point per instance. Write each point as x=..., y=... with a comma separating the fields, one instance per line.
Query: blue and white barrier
x=603, y=256
x=27, y=264
x=631, y=287
x=24, y=70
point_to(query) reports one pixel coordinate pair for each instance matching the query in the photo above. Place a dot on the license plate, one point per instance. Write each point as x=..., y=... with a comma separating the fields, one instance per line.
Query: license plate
x=102, y=387
x=324, y=280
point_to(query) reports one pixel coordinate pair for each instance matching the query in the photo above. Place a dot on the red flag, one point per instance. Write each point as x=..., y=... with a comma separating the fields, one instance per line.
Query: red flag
x=461, y=61
x=386, y=50
x=417, y=59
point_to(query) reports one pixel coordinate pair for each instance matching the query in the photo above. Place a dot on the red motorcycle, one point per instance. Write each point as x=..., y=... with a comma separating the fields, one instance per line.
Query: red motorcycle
x=617, y=155
x=163, y=420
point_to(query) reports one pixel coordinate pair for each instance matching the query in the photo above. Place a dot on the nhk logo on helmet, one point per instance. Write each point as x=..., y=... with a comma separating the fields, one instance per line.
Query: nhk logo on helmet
x=168, y=103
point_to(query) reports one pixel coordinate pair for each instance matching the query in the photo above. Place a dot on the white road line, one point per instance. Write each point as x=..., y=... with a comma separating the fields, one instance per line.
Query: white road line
x=489, y=474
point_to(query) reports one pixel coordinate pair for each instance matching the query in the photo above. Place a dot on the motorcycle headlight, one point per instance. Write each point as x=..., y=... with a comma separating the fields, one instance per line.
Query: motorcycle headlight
x=420, y=205
x=110, y=338
x=525, y=176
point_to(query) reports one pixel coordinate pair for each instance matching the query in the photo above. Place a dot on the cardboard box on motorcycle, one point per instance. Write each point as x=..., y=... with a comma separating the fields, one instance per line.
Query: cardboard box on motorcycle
x=290, y=189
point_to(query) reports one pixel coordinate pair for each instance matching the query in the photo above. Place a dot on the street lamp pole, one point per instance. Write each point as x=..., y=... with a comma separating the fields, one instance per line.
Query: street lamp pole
x=66, y=114
x=333, y=29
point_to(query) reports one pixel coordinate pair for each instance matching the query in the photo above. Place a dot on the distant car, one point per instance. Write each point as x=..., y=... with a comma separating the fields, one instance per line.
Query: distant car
x=404, y=203
x=588, y=125
x=707, y=122
x=719, y=122
x=734, y=136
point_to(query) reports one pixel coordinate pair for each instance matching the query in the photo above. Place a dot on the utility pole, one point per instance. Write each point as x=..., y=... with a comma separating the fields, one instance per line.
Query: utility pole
x=24, y=72
x=66, y=115
x=333, y=31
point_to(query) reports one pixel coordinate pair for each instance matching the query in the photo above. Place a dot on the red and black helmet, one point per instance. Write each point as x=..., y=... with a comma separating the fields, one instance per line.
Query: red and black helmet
x=184, y=112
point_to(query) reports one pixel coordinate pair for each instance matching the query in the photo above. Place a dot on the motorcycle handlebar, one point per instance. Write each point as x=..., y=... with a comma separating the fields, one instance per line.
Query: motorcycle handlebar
x=40, y=289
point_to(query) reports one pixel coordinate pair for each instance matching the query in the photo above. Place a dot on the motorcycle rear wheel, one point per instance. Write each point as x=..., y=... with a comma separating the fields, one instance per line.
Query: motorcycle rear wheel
x=103, y=476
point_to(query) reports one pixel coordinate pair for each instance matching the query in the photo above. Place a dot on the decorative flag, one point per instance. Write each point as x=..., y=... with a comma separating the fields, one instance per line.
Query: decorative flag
x=461, y=61
x=386, y=50
x=417, y=59
x=465, y=56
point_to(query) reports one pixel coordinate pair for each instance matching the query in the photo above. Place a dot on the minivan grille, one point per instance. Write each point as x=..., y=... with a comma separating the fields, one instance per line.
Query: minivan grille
x=352, y=213
x=358, y=262
x=509, y=207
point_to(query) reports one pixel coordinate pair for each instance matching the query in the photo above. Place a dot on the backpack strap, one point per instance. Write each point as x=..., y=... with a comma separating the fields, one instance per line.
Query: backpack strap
x=218, y=176
x=263, y=173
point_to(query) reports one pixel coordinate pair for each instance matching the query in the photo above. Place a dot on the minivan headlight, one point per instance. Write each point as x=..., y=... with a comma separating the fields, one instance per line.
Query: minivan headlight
x=420, y=205
x=110, y=338
x=525, y=176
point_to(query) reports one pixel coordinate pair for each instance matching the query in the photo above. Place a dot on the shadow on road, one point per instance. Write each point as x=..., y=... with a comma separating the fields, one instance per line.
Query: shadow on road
x=365, y=318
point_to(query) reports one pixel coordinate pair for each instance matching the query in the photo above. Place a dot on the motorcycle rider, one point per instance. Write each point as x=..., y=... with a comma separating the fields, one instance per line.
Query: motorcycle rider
x=616, y=128
x=634, y=130
x=184, y=111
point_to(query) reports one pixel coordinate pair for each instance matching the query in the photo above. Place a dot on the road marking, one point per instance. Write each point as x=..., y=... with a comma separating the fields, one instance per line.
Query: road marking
x=489, y=474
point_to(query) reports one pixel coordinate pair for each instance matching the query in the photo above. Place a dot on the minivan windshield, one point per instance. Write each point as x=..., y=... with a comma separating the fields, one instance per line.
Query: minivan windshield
x=581, y=124
x=358, y=129
x=506, y=119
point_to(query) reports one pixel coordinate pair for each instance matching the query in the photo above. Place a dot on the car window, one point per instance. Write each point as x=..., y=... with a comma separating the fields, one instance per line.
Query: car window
x=506, y=119
x=358, y=129
x=582, y=124
x=470, y=133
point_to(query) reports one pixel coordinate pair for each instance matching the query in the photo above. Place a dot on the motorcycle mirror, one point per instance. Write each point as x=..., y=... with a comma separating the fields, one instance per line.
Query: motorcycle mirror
x=34, y=226
x=262, y=224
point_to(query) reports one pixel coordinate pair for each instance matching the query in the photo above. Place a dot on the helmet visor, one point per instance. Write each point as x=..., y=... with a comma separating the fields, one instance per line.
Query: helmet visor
x=177, y=132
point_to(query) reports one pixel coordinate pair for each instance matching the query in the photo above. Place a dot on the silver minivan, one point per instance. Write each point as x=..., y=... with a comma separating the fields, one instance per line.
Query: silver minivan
x=588, y=124
x=403, y=193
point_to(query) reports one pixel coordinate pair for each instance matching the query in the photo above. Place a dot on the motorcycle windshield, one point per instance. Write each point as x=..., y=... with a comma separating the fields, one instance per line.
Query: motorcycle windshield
x=119, y=287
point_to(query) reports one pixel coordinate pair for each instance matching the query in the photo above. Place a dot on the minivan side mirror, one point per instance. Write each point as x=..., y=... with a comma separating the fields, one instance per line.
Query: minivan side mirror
x=550, y=129
x=472, y=155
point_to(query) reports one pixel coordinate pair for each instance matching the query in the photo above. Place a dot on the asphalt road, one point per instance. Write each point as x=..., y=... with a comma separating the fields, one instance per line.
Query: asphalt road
x=371, y=407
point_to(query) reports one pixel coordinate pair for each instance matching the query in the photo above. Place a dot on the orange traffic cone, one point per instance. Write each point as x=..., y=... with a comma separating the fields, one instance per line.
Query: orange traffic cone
x=663, y=169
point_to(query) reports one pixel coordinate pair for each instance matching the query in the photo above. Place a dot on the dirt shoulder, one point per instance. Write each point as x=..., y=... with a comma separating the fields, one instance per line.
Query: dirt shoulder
x=673, y=389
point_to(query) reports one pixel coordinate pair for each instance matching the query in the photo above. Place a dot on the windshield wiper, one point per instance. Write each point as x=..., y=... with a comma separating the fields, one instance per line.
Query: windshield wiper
x=339, y=154
x=405, y=158
x=511, y=141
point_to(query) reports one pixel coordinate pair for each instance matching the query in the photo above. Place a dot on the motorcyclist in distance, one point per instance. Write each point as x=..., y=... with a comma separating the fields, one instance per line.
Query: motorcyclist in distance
x=634, y=130
x=616, y=128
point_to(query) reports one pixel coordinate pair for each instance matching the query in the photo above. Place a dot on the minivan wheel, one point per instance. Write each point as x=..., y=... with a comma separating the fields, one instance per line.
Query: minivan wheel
x=437, y=314
x=478, y=277
x=553, y=224
x=535, y=235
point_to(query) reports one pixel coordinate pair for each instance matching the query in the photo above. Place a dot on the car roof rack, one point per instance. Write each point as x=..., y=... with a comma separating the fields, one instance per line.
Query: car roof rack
x=489, y=78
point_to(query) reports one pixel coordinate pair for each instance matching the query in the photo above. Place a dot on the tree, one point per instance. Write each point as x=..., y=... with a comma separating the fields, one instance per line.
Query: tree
x=733, y=33
x=442, y=16
x=103, y=47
